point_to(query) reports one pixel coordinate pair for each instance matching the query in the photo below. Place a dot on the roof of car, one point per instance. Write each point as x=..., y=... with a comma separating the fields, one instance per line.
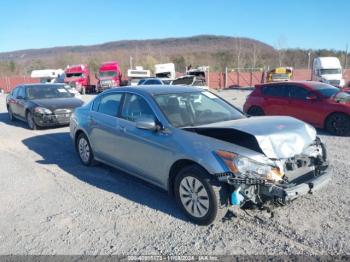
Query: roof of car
x=42, y=84
x=308, y=84
x=157, y=89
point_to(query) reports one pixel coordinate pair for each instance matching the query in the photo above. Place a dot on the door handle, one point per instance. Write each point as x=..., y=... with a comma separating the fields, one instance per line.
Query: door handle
x=122, y=128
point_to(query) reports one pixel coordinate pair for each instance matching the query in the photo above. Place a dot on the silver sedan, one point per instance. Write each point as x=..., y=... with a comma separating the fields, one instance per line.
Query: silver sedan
x=200, y=148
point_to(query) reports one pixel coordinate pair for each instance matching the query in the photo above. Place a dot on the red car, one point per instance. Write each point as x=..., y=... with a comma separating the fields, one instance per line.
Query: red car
x=319, y=104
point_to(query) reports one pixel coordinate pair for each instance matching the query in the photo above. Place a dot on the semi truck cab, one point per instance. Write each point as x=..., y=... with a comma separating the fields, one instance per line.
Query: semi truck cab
x=109, y=75
x=328, y=70
x=78, y=77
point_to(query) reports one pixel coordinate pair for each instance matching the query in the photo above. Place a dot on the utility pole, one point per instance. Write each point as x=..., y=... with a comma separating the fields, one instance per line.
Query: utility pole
x=131, y=58
x=346, y=57
x=308, y=63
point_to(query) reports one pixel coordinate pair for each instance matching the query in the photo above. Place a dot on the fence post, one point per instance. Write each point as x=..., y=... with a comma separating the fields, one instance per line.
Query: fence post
x=251, y=78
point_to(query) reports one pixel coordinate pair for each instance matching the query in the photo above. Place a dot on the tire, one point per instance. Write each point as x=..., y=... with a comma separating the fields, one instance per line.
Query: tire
x=203, y=200
x=84, y=150
x=338, y=124
x=256, y=111
x=30, y=121
x=10, y=114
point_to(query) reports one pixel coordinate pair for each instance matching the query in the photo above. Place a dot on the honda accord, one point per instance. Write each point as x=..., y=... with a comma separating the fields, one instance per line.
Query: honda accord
x=200, y=148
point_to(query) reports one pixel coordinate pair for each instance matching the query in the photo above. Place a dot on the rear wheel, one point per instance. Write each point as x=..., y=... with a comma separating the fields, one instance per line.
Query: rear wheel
x=338, y=124
x=201, y=199
x=30, y=121
x=256, y=111
x=10, y=114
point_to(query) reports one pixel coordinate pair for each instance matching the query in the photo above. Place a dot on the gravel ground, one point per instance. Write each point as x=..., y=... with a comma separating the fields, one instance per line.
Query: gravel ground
x=51, y=204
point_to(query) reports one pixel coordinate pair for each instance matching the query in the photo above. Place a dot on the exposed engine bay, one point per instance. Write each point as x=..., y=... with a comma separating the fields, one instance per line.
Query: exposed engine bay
x=288, y=178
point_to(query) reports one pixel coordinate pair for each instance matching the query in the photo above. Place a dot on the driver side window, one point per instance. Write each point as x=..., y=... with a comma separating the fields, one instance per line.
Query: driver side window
x=300, y=93
x=136, y=107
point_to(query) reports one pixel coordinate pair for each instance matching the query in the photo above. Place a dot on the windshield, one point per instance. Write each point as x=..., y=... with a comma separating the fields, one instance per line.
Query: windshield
x=194, y=109
x=70, y=75
x=280, y=76
x=47, y=92
x=108, y=74
x=326, y=90
x=330, y=71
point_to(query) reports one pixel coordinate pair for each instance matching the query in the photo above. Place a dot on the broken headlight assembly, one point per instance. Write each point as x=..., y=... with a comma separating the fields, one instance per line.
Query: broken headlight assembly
x=246, y=169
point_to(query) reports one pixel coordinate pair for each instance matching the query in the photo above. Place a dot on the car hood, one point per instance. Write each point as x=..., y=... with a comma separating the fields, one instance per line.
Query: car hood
x=277, y=137
x=58, y=103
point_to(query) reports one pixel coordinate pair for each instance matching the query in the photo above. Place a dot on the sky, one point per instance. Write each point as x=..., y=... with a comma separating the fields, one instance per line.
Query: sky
x=314, y=24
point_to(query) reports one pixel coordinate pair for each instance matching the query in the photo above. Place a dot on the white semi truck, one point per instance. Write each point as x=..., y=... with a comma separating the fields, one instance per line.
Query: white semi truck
x=328, y=70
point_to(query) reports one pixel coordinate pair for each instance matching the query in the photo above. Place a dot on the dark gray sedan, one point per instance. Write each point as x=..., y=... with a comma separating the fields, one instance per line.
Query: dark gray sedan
x=41, y=105
x=200, y=148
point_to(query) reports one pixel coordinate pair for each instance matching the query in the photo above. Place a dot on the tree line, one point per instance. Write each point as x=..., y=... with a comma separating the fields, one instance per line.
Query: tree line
x=238, y=56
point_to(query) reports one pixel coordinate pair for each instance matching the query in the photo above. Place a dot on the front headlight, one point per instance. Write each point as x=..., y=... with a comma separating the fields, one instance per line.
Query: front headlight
x=240, y=165
x=42, y=110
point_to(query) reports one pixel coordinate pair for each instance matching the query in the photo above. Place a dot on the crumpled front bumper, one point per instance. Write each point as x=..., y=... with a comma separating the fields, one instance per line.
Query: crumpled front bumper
x=291, y=192
x=52, y=120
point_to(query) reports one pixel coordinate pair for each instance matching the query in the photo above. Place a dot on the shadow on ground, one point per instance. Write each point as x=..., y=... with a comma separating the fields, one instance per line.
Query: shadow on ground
x=57, y=148
x=4, y=118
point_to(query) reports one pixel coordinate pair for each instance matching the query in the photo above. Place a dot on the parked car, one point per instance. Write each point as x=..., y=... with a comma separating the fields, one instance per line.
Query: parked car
x=41, y=105
x=150, y=81
x=319, y=104
x=200, y=148
x=190, y=80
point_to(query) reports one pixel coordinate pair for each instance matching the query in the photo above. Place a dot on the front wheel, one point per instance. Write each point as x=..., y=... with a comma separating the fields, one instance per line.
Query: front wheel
x=338, y=124
x=256, y=111
x=30, y=121
x=84, y=150
x=202, y=200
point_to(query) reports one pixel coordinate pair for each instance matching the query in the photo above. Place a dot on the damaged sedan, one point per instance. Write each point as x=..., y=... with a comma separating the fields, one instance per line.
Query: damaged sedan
x=200, y=148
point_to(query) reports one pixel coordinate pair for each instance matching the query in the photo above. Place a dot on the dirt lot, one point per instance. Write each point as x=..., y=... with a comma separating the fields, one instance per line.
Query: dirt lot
x=51, y=204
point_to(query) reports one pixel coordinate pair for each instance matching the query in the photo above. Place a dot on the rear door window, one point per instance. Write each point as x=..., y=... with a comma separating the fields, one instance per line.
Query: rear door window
x=276, y=90
x=109, y=104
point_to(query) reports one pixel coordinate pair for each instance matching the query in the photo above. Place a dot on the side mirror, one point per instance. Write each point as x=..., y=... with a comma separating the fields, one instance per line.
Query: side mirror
x=147, y=124
x=20, y=97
